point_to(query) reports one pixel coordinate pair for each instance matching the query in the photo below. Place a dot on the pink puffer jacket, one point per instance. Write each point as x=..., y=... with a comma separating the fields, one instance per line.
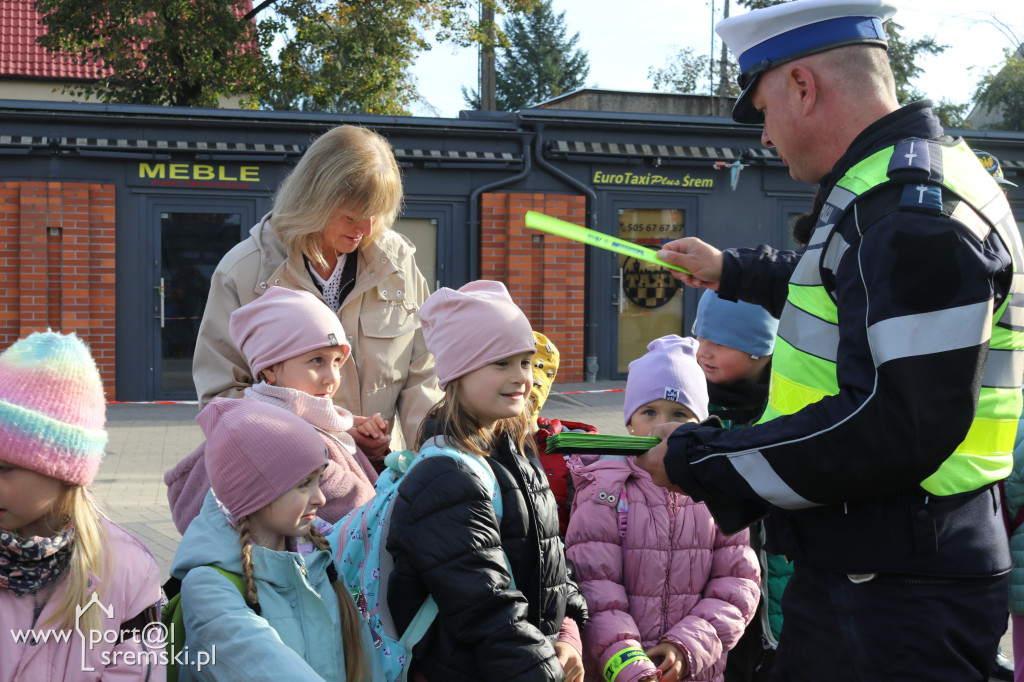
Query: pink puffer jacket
x=670, y=575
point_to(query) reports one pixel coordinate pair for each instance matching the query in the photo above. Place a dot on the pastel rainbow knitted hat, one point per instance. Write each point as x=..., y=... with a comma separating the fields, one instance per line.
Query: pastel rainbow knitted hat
x=52, y=409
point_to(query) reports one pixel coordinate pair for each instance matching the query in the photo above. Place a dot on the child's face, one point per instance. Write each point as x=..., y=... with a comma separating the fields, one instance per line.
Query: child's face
x=498, y=390
x=722, y=364
x=290, y=515
x=28, y=501
x=660, y=411
x=317, y=372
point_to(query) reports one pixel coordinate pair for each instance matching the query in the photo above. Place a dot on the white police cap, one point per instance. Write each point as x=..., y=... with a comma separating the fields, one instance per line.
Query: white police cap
x=764, y=38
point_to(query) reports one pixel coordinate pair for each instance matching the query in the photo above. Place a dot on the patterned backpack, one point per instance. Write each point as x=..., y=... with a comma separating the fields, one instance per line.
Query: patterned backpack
x=365, y=565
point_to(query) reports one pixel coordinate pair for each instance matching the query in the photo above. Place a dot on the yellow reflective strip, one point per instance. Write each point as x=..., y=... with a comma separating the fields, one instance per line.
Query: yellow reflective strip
x=1000, y=404
x=963, y=175
x=985, y=456
x=797, y=380
x=621, y=660
x=868, y=173
x=814, y=301
x=1006, y=339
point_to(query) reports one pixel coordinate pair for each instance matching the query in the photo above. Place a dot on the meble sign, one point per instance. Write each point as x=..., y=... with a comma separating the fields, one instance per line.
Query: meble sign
x=197, y=175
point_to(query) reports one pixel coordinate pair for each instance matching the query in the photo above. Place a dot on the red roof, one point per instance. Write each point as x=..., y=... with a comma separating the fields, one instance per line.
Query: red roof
x=21, y=55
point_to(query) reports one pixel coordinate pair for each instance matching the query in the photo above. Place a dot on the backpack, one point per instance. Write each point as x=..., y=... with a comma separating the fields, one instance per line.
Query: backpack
x=173, y=620
x=364, y=563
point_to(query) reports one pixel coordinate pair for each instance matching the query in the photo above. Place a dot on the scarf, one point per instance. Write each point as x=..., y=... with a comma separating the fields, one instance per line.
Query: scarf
x=29, y=564
x=320, y=412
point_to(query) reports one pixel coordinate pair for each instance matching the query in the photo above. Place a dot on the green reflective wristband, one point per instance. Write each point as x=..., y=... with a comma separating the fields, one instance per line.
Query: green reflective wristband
x=620, y=661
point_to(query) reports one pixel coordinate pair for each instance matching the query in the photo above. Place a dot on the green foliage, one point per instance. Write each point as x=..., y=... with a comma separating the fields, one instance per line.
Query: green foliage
x=539, y=62
x=333, y=55
x=951, y=114
x=172, y=52
x=1002, y=91
x=690, y=73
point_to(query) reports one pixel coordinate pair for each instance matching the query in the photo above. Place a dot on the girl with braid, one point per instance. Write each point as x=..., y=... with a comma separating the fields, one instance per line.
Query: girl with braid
x=295, y=620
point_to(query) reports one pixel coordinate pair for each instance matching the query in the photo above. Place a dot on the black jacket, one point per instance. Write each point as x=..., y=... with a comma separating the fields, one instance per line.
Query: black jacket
x=445, y=542
x=842, y=476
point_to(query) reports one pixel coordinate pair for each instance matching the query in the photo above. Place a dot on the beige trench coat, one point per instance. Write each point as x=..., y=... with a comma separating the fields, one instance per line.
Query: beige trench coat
x=390, y=371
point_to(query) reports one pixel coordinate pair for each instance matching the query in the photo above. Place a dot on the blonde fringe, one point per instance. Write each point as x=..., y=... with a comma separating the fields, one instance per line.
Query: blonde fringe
x=78, y=508
x=450, y=418
x=356, y=667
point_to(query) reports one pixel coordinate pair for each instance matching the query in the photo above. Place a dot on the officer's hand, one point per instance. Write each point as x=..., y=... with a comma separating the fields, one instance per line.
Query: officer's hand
x=702, y=260
x=653, y=461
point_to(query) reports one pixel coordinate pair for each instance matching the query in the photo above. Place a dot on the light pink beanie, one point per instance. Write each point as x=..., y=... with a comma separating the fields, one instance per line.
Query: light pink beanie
x=669, y=370
x=472, y=327
x=256, y=452
x=52, y=409
x=282, y=324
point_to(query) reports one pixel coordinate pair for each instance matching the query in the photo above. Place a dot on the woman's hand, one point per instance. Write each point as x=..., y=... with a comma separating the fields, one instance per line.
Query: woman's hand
x=571, y=661
x=673, y=666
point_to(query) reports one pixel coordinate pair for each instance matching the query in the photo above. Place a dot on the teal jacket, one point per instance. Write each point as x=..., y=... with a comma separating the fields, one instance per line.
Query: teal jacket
x=298, y=635
x=1014, y=487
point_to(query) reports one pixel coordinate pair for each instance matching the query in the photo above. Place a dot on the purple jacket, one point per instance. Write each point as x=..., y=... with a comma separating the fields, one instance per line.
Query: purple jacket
x=660, y=570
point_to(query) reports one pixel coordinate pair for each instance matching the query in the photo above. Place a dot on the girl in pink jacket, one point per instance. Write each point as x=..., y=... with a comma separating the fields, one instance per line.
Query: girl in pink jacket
x=295, y=346
x=668, y=593
x=79, y=595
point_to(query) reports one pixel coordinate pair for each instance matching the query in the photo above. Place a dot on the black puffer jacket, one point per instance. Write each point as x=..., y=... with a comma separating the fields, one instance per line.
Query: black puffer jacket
x=445, y=542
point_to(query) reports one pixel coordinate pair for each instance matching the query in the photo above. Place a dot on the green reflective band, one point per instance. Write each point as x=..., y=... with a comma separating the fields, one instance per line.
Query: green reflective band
x=620, y=661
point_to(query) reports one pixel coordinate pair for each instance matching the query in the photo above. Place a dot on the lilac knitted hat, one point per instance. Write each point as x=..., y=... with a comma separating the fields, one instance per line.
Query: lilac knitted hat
x=281, y=324
x=52, y=409
x=669, y=370
x=256, y=452
x=472, y=327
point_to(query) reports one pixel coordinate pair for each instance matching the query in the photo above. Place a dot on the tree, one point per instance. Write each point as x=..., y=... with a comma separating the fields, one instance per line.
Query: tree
x=1002, y=91
x=690, y=73
x=347, y=55
x=539, y=62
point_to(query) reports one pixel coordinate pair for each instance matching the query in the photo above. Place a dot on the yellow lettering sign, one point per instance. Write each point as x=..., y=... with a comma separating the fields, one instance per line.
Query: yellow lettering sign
x=154, y=171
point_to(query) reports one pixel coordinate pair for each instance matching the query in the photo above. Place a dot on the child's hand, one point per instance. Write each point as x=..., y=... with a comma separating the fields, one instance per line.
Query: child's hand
x=371, y=435
x=673, y=666
x=571, y=661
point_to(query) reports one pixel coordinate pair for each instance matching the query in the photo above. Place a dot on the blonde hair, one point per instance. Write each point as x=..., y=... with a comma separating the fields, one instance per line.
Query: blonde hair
x=356, y=667
x=76, y=506
x=461, y=430
x=348, y=167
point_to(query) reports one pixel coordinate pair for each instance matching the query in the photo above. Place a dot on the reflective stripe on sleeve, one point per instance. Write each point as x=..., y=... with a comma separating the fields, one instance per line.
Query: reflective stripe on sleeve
x=929, y=333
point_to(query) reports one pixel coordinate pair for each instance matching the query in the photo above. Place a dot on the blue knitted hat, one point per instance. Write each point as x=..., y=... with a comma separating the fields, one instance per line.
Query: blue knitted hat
x=743, y=326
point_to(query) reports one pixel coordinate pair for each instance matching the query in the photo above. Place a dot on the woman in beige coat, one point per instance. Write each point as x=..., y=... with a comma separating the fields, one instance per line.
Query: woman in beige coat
x=329, y=233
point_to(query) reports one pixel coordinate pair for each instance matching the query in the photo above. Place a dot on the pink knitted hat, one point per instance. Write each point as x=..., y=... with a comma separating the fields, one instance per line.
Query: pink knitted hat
x=281, y=324
x=472, y=327
x=669, y=370
x=52, y=409
x=256, y=452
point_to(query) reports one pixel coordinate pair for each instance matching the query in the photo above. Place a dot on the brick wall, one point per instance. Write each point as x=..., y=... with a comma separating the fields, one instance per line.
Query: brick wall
x=57, y=265
x=543, y=273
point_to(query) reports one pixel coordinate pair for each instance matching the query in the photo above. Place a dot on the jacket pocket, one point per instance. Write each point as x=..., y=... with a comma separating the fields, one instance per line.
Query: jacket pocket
x=390, y=315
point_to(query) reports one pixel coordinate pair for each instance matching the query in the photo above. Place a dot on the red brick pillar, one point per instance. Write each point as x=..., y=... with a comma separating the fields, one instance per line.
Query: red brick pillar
x=543, y=273
x=57, y=260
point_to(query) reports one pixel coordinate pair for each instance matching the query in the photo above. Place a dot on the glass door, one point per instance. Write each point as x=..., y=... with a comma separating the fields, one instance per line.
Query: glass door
x=650, y=300
x=191, y=243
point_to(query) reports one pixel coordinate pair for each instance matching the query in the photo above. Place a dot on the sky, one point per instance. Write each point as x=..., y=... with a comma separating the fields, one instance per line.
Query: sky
x=625, y=39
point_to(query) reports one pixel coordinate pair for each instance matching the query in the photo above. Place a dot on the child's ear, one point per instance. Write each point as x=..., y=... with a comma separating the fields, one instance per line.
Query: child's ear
x=268, y=375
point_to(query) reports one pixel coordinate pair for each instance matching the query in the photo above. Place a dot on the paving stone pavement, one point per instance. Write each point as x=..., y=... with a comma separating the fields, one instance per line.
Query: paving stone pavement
x=148, y=439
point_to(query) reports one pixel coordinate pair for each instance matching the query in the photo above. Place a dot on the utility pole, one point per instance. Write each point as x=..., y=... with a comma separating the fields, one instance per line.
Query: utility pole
x=488, y=78
x=723, y=72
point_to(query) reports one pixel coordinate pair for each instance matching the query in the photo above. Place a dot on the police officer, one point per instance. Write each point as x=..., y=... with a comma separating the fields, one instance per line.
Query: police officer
x=895, y=383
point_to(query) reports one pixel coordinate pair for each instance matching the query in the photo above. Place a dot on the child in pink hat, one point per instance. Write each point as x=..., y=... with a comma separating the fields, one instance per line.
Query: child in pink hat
x=294, y=619
x=504, y=597
x=670, y=594
x=295, y=346
x=65, y=569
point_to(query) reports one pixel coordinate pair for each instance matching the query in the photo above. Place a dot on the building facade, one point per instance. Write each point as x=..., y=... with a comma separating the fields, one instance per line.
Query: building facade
x=114, y=218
